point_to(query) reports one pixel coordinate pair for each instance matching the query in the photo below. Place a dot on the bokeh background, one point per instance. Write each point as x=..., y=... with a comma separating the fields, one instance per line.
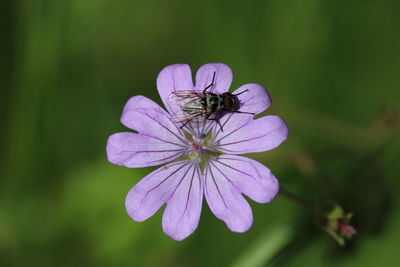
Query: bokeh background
x=68, y=67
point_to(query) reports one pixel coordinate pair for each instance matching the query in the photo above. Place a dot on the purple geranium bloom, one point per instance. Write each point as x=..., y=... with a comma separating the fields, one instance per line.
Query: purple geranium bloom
x=201, y=158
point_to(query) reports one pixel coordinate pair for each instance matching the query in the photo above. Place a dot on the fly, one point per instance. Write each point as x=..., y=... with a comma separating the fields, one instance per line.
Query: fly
x=196, y=103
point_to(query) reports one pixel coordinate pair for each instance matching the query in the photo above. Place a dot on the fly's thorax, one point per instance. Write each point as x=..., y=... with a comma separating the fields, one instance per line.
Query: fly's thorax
x=214, y=102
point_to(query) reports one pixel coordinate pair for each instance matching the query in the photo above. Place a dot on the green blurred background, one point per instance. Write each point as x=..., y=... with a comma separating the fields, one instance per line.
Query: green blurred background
x=68, y=67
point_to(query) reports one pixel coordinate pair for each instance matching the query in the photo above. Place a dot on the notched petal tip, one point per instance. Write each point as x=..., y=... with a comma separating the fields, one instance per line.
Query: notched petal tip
x=148, y=118
x=281, y=132
x=154, y=190
x=112, y=150
x=226, y=201
x=134, y=150
x=249, y=176
x=137, y=214
x=172, y=78
x=272, y=188
x=253, y=98
x=139, y=102
x=239, y=226
x=177, y=234
x=222, y=80
x=134, y=104
x=182, y=214
x=258, y=135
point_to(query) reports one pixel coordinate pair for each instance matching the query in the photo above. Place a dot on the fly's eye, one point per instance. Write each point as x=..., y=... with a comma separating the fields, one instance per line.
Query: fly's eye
x=228, y=102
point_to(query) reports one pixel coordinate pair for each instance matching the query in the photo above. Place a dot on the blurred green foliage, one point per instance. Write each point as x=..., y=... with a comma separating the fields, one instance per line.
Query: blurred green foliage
x=68, y=67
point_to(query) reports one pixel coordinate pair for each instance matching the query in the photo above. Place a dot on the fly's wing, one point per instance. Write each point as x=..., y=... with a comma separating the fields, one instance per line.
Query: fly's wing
x=188, y=116
x=184, y=96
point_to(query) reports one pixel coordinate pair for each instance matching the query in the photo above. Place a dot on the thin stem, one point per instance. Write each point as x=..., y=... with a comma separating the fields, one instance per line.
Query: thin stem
x=299, y=200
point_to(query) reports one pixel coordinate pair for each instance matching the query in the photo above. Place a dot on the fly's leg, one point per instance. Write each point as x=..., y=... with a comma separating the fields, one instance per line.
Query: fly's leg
x=238, y=111
x=244, y=91
x=244, y=112
x=183, y=125
x=215, y=119
x=211, y=84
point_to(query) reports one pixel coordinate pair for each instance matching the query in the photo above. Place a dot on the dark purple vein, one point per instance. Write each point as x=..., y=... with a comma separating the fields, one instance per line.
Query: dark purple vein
x=160, y=139
x=245, y=140
x=184, y=175
x=242, y=172
x=215, y=183
x=166, y=178
x=166, y=128
x=228, y=134
x=188, y=195
x=152, y=161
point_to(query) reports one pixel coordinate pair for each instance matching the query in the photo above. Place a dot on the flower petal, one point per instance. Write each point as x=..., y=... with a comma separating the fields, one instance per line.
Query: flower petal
x=226, y=201
x=182, y=213
x=175, y=77
x=249, y=176
x=135, y=150
x=148, y=195
x=223, y=77
x=148, y=118
x=257, y=135
x=253, y=98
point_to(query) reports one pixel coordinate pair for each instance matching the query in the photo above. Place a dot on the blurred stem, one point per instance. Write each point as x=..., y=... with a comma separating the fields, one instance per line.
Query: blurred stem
x=335, y=130
x=299, y=200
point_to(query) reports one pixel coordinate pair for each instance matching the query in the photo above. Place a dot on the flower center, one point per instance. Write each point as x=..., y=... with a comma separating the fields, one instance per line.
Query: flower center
x=196, y=149
x=200, y=149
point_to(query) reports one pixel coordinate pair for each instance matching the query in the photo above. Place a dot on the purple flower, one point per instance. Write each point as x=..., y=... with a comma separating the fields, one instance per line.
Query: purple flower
x=201, y=158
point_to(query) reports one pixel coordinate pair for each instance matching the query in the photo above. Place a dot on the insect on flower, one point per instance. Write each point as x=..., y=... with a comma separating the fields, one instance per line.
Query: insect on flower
x=196, y=103
x=200, y=162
